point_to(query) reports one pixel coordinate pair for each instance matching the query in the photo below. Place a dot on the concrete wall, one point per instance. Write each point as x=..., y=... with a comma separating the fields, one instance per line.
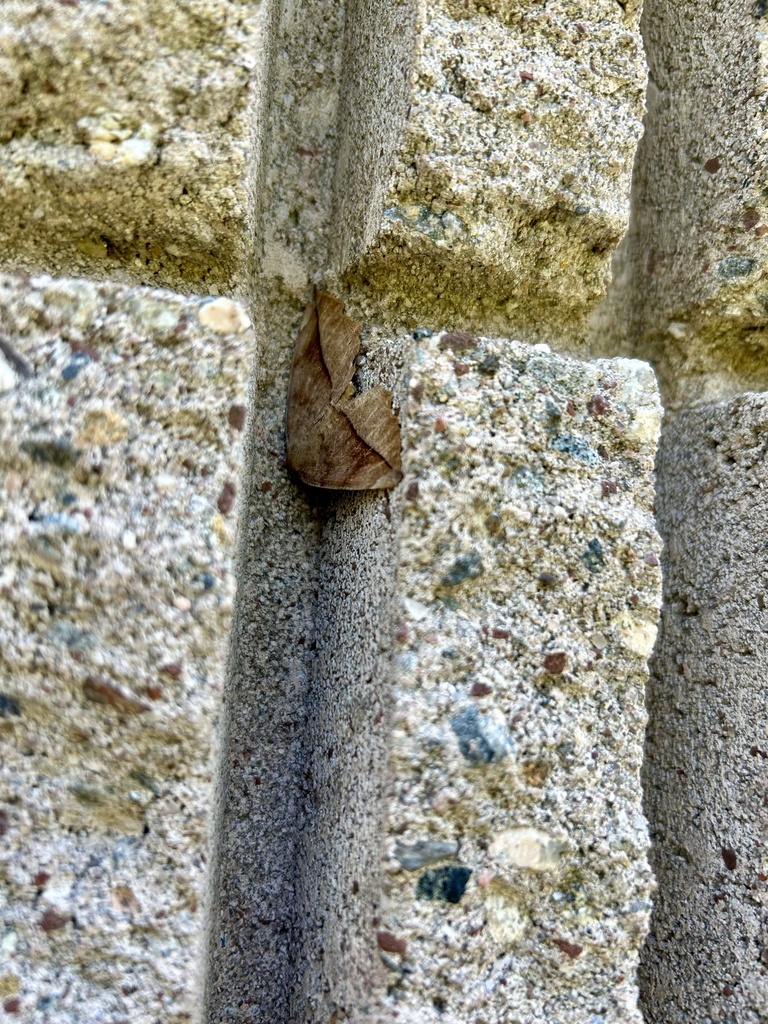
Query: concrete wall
x=426, y=802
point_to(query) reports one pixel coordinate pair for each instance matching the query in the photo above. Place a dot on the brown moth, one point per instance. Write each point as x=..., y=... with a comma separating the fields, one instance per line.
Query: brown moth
x=337, y=438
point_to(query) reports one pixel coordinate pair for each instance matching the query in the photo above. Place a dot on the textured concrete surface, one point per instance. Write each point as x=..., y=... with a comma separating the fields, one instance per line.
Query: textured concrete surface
x=125, y=139
x=708, y=738
x=517, y=881
x=293, y=933
x=256, y=918
x=121, y=418
x=510, y=188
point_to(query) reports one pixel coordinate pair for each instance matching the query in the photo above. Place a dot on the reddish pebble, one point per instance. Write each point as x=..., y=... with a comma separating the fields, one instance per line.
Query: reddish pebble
x=440, y=424
x=53, y=919
x=412, y=491
x=458, y=341
x=750, y=219
x=480, y=690
x=390, y=943
x=12, y=1005
x=266, y=487
x=236, y=416
x=729, y=858
x=555, y=662
x=460, y=369
x=154, y=691
x=172, y=669
x=598, y=405
x=498, y=633
x=609, y=487
x=571, y=949
x=41, y=878
x=651, y=558
x=100, y=691
x=712, y=166
x=526, y=76
x=226, y=500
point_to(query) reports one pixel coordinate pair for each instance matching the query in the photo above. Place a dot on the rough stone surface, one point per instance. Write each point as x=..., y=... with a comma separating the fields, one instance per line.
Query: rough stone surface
x=125, y=141
x=529, y=573
x=510, y=186
x=119, y=462
x=708, y=735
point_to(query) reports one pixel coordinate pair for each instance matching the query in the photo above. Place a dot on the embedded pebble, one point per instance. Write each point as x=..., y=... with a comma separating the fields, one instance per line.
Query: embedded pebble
x=427, y=851
x=527, y=848
x=223, y=316
x=7, y=376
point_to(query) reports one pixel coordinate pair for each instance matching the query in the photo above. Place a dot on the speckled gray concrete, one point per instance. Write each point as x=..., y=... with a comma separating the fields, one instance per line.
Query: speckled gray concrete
x=121, y=417
x=293, y=936
x=517, y=880
x=125, y=139
x=708, y=736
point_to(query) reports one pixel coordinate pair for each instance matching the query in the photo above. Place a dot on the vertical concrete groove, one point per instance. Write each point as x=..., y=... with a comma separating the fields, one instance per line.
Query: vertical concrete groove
x=290, y=936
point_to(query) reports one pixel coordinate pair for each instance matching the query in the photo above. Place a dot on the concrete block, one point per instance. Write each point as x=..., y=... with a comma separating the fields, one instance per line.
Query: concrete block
x=708, y=738
x=510, y=184
x=517, y=884
x=691, y=293
x=121, y=418
x=125, y=140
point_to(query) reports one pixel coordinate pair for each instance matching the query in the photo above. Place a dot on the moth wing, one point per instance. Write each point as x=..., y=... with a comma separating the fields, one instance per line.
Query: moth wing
x=351, y=444
x=336, y=458
x=309, y=389
x=373, y=420
x=339, y=342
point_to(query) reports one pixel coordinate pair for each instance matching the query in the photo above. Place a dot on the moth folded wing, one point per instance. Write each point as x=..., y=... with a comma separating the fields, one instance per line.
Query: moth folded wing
x=309, y=391
x=339, y=342
x=333, y=455
x=372, y=419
